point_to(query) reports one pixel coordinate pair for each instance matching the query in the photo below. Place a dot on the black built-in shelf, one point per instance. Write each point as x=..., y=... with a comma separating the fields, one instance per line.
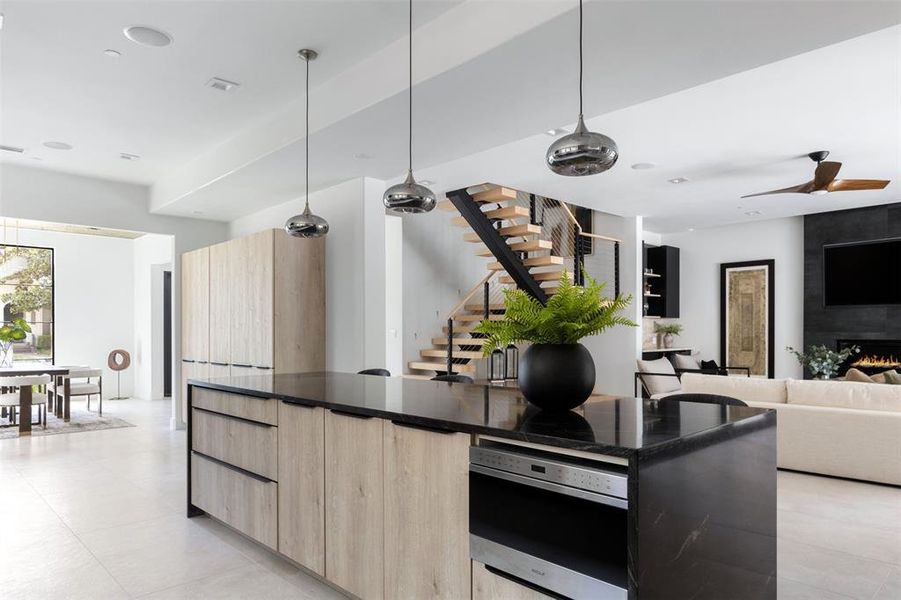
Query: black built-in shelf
x=663, y=261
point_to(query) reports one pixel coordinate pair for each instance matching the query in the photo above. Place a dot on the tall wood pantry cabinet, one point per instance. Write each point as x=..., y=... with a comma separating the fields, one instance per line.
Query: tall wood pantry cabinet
x=253, y=305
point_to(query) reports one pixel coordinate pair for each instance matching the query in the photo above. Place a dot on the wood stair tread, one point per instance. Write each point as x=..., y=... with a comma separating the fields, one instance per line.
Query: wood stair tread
x=477, y=318
x=526, y=246
x=421, y=365
x=543, y=276
x=522, y=230
x=536, y=261
x=497, y=194
x=459, y=341
x=460, y=328
x=479, y=307
x=470, y=354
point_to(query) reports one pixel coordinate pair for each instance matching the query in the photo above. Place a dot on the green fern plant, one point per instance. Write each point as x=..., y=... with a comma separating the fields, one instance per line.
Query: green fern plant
x=571, y=314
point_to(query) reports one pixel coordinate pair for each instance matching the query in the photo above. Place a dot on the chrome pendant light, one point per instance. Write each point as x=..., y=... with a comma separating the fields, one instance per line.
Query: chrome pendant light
x=582, y=152
x=306, y=224
x=409, y=196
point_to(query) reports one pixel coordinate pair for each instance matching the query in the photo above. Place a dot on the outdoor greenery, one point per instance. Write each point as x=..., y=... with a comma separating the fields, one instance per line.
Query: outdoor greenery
x=14, y=331
x=571, y=314
x=33, y=281
x=670, y=328
x=822, y=362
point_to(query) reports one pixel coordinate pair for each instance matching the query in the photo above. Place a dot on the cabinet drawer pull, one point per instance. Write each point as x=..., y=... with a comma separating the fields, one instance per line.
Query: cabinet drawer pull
x=187, y=360
x=218, y=364
x=298, y=404
x=225, y=416
x=424, y=428
x=350, y=414
x=241, y=365
x=244, y=472
x=262, y=368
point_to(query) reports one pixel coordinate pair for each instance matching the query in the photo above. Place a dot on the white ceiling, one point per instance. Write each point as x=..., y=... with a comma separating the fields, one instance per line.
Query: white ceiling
x=57, y=84
x=727, y=94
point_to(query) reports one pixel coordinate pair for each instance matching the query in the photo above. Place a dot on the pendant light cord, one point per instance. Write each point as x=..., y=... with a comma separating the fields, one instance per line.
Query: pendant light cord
x=307, y=141
x=580, y=58
x=410, y=93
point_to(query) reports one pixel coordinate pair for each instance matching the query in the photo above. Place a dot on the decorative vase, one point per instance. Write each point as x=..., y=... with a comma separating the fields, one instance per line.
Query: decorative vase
x=668, y=340
x=556, y=377
x=6, y=354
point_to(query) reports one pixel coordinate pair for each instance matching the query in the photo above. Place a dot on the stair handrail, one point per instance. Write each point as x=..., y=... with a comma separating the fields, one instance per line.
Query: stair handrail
x=476, y=288
x=578, y=227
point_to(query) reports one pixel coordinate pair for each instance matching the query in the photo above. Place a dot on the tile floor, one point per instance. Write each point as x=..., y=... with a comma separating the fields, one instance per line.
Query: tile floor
x=100, y=515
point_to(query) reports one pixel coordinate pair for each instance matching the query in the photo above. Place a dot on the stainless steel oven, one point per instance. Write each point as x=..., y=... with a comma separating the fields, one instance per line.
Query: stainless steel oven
x=549, y=521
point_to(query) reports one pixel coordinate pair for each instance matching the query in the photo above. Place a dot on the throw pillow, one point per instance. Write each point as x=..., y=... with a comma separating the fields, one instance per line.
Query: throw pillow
x=683, y=361
x=659, y=384
x=710, y=364
x=858, y=376
x=892, y=377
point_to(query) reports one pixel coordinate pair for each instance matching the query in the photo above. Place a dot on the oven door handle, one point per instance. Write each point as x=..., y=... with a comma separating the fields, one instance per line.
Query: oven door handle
x=551, y=487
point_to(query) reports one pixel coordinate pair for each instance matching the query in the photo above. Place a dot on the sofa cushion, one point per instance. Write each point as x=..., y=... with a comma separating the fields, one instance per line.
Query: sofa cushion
x=683, y=361
x=658, y=384
x=892, y=377
x=845, y=394
x=748, y=389
x=858, y=376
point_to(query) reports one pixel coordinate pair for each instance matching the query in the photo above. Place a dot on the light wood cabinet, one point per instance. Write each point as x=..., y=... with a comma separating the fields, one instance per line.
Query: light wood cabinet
x=220, y=298
x=195, y=304
x=488, y=586
x=426, y=513
x=191, y=370
x=354, y=505
x=246, y=503
x=246, y=444
x=256, y=301
x=301, y=490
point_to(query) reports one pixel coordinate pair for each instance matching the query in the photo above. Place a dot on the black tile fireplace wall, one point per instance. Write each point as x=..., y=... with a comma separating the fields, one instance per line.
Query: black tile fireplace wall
x=827, y=325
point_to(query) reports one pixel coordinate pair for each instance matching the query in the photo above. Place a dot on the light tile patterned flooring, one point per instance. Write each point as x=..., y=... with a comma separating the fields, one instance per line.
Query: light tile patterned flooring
x=100, y=515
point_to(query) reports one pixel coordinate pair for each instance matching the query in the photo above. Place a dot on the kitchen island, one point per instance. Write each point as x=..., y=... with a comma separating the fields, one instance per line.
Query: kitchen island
x=365, y=481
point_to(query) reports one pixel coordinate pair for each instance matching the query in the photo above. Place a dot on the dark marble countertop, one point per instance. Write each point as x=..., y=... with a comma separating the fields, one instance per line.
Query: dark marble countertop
x=619, y=427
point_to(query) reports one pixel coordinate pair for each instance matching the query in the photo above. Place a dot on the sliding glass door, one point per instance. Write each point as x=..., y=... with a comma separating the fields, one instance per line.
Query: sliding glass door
x=26, y=292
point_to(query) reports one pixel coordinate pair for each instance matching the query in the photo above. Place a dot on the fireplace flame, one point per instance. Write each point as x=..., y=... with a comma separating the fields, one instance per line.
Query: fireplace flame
x=877, y=361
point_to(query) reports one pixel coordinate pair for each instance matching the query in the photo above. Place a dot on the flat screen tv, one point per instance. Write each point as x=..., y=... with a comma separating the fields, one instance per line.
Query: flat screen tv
x=862, y=273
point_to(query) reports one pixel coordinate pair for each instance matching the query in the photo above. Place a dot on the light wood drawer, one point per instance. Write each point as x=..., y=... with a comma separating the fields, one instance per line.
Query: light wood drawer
x=246, y=444
x=247, y=503
x=264, y=410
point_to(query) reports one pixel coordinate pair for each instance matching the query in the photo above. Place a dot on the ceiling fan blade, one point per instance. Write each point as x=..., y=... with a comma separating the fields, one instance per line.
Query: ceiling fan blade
x=825, y=173
x=804, y=188
x=849, y=185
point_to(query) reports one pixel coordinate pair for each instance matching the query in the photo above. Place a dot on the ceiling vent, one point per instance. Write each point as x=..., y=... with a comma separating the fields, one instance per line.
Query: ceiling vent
x=223, y=85
x=127, y=156
x=12, y=149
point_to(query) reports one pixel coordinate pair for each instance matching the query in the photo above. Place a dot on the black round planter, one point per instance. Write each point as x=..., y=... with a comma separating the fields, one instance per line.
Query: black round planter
x=556, y=376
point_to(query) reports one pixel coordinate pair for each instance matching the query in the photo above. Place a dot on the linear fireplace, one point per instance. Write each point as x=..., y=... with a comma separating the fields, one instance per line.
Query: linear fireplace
x=875, y=356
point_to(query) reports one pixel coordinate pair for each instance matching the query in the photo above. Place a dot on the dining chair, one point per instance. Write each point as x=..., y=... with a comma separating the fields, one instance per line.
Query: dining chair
x=12, y=400
x=81, y=384
x=378, y=372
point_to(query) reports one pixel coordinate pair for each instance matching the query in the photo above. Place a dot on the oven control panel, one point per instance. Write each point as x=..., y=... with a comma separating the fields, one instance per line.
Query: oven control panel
x=538, y=466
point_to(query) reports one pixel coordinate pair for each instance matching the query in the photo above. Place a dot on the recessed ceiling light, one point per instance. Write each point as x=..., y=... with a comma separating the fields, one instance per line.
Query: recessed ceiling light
x=112, y=53
x=691, y=228
x=127, y=156
x=555, y=132
x=753, y=213
x=147, y=36
x=58, y=145
x=12, y=149
x=678, y=180
x=643, y=166
x=223, y=85
x=362, y=156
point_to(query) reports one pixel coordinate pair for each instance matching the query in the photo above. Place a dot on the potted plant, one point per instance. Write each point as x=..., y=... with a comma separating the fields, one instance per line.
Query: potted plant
x=667, y=331
x=822, y=362
x=15, y=331
x=556, y=371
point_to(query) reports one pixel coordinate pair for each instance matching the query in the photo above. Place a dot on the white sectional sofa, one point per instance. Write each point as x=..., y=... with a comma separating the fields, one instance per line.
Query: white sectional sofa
x=839, y=428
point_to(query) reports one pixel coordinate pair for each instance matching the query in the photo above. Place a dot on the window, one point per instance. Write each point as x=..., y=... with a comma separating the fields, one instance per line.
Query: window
x=26, y=292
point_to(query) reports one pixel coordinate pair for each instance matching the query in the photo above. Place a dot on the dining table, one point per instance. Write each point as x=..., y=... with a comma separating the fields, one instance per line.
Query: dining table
x=26, y=393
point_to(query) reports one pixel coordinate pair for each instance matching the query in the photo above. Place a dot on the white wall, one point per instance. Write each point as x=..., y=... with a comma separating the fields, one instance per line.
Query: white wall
x=93, y=301
x=153, y=254
x=30, y=193
x=701, y=253
x=355, y=249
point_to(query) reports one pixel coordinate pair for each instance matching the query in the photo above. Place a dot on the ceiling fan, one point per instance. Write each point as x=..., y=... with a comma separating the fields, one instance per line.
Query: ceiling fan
x=824, y=180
